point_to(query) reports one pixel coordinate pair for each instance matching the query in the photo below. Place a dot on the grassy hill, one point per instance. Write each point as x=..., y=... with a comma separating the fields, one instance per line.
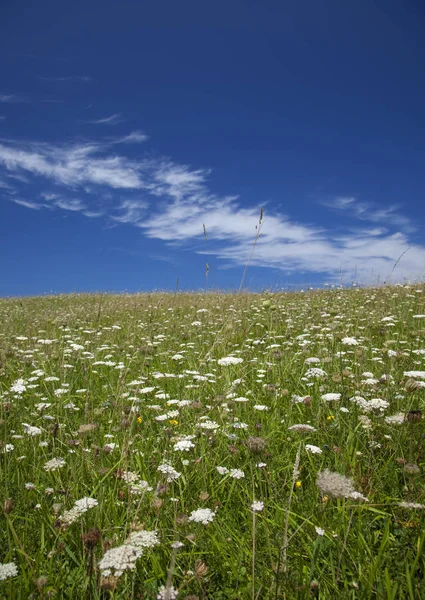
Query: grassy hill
x=213, y=445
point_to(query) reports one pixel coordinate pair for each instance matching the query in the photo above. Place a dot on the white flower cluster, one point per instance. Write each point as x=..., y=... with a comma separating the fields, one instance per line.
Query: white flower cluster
x=8, y=570
x=18, y=387
x=315, y=373
x=349, y=341
x=229, y=360
x=331, y=397
x=117, y=560
x=183, y=446
x=170, y=473
x=415, y=374
x=210, y=425
x=54, y=464
x=31, y=429
x=202, y=515
x=313, y=449
x=397, y=419
x=79, y=508
x=236, y=474
x=370, y=405
x=143, y=539
x=337, y=486
x=123, y=558
x=167, y=593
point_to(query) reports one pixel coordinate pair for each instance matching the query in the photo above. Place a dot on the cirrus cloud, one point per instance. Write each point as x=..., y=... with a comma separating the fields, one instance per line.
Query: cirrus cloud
x=172, y=202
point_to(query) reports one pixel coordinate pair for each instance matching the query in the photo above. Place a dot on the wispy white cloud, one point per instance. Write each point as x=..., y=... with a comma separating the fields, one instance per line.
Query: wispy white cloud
x=72, y=204
x=71, y=165
x=28, y=203
x=135, y=137
x=131, y=211
x=49, y=196
x=368, y=211
x=12, y=98
x=2, y=117
x=172, y=202
x=111, y=120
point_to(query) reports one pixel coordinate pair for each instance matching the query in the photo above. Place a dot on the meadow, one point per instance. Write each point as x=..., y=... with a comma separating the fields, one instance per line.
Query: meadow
x=213, y=446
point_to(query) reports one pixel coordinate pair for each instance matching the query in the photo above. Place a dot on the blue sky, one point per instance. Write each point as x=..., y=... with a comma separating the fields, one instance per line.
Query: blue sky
x=125, y=127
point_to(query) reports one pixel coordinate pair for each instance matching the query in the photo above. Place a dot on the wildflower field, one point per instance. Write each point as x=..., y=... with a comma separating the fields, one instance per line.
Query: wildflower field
x=213, y=446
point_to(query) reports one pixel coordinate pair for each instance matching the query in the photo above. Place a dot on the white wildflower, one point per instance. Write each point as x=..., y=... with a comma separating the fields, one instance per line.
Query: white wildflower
x=210, y=425
x=167, y=593
x=222, y=470
x=183, y=446
x=313, y=449
x=143, y=539
x=349, y=341
x=31, y=429
x=415, y=374
x=18, y=387
x=170, y=473
x=336, y=485
x=117, y=560
x=202, y=515
x=54, y=464
x=229, y=360
x=397, y=419
x=315, y=373
x=236, y=474
x=257, y=506
x=8, y=570
x=330, y=397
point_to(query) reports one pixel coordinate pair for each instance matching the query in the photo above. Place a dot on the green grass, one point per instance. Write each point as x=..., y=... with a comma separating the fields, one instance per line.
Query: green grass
x=369, y=549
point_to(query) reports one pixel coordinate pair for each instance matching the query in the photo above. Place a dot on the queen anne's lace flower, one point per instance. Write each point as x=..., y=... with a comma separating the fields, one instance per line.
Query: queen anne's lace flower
x=313, y=449
x=183, y=446
x=143, y=539
x=202, y=515
x=170, y=473
x=349, y=341
x=315, y=373
x=236, y=474
x=79, y=508
x=31, y=429
x=18, y=387
x=117, y=560
x=8, y=570
x=222, y=470
x=167, y=593
x=415, y=374
x=337, y=486
x=229, y=360
x=330, y=397
x=54, y=464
